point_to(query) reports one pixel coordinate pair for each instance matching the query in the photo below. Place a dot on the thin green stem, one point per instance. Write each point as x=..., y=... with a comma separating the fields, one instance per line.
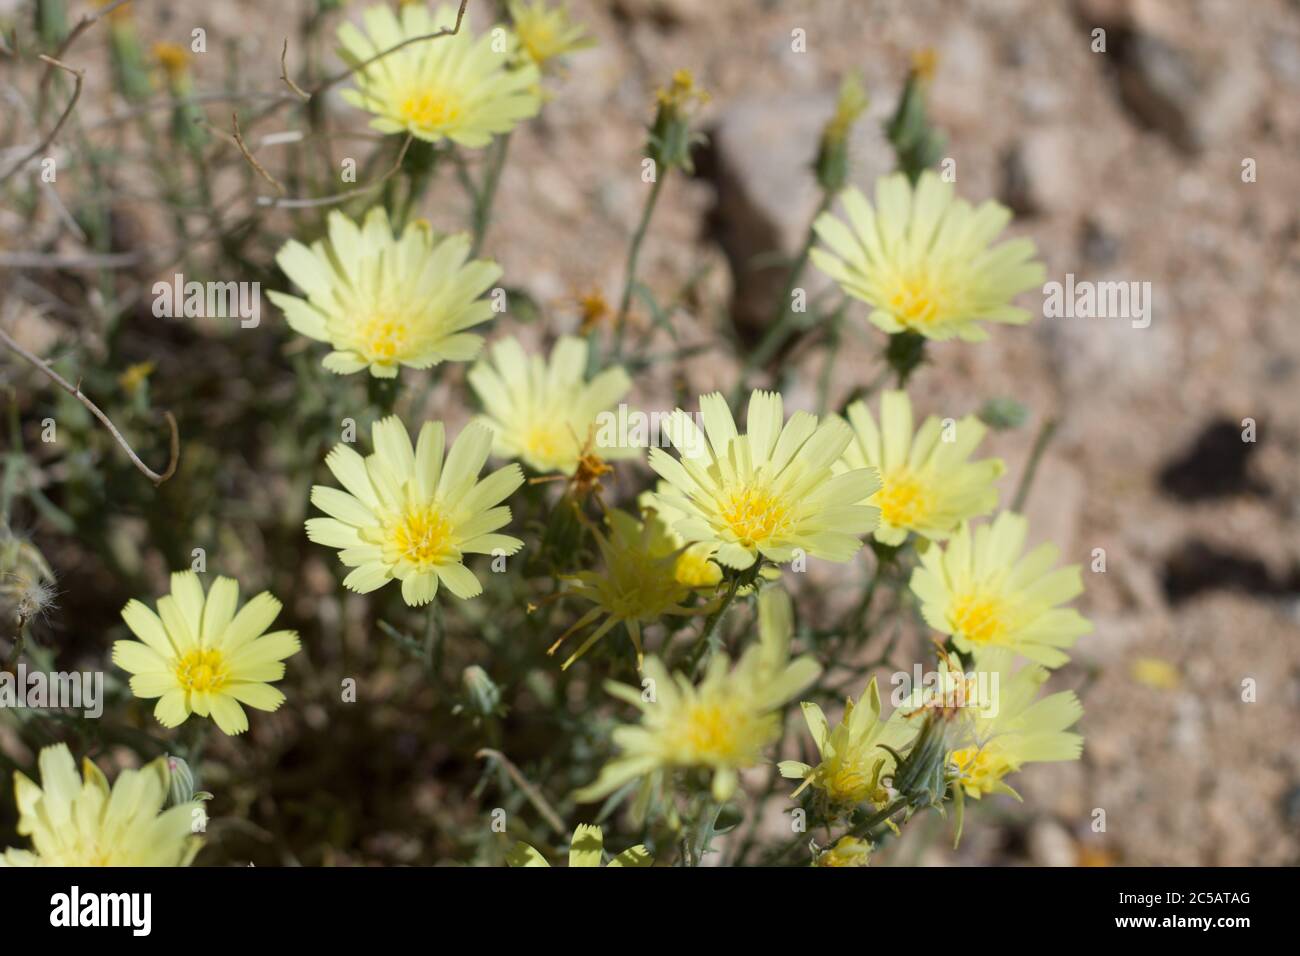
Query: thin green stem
x=1045, y=434
x=633, y=254
x=484, y=197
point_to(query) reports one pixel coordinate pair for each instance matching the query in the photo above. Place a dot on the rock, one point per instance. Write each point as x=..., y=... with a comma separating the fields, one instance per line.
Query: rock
x=1050, y=844
x=1040, y=175
x=1196, y=98
x=763, y=151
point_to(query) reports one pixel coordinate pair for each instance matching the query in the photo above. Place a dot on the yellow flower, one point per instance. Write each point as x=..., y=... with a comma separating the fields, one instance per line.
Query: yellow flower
x=927, y=485
x=197, y=656
x=543, y=412
x=135, y=377
x=455, y=87
x=173, y=58
x=638, y=585
x=586, y=849
x=384, y=301
x=1009, y=726
x=409, y=517
x=721, y=726
x=982, y=592
x=851, y=103
x=922, y=260
x=1155, y=673
x=695, y=565
x=847, y=851
x=852, y=758
x=770, y=492
x=546, y=32
x=76, y=822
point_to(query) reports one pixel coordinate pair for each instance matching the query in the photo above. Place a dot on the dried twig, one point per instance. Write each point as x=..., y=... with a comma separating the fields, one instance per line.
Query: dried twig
x=444, y=32
x=534, y=796
x=75, y=392
x=284, y=73
x=338, y=197
x=81, y=26
x=78, y=76
x=257, y=167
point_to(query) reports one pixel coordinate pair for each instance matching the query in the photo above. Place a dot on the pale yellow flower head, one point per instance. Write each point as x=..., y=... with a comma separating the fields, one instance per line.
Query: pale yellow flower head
x=695, y=565
x=1013, y=727
x=637, y=585
x=547, y=32
x=852, y=759
x=384, y=301
x=586, y=849
x=770, y=492
x=458, y=87
x=80, y=821
x=979, y=589
x=409, y=516
x=847, y=851
x=927, y=484
x=721, y=726
x=922, y=259
x=198, y=656
x=543, y=412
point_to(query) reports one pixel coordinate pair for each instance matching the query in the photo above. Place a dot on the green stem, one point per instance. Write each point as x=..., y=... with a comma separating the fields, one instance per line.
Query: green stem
x=634, y=253
x=484, y=197
x=1031, y=468
x=785, y=317
x=700, y=653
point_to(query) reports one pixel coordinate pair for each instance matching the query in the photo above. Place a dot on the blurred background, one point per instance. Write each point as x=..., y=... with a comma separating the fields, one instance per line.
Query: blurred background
x=1122, y=165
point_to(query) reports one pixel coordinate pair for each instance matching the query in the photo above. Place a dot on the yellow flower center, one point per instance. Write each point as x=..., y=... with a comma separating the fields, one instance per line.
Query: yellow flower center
x=982, y=767
x=917, y=300
x=981, y=618
x=421, y=536
x=695, y=570
x=849, y=783
x=432, y=108
x=904, y=500
x=720, y=732
x=202, y=669
x=538, y=38
x=383, y=337
x=754, y=515
x=550, y=443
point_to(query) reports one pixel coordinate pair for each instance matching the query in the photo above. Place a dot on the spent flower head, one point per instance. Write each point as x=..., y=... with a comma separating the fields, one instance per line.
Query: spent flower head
x=671, y=138
x=637, y=586
x=832, y=163
x=721, y=725
x=853, y=760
